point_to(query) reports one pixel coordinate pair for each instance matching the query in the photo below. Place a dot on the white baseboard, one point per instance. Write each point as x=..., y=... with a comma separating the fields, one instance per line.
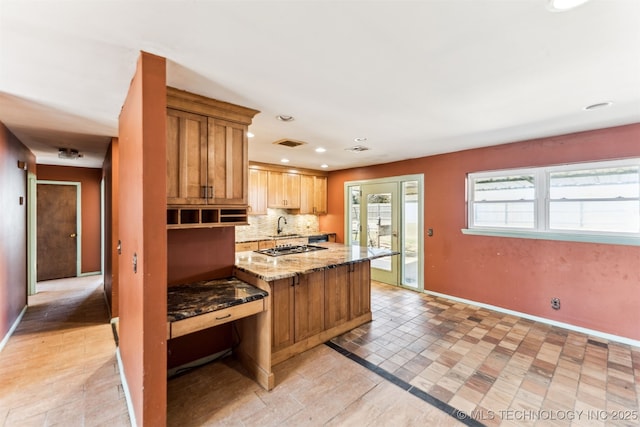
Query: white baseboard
x=125, y=387
x=611, y=337
x=12, y=329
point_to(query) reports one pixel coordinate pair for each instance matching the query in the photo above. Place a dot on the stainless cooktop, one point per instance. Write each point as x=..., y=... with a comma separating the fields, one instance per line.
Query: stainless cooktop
x=290, y=250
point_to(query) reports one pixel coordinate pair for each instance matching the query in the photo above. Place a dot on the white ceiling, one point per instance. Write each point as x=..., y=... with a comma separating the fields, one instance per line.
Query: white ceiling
x=415, y=78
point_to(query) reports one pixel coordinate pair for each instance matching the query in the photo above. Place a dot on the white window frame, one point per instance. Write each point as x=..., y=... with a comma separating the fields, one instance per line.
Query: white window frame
x=541, y=228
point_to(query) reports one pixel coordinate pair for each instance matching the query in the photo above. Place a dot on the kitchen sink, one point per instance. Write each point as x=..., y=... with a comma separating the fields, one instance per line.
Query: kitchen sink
x=290, y=250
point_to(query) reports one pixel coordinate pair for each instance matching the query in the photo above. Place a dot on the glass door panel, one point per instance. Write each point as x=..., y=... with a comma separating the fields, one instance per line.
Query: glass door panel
x=410, y=235
x=379, y=227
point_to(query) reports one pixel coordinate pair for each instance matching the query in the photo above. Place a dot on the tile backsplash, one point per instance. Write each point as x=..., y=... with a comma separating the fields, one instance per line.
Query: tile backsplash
x=265, y=225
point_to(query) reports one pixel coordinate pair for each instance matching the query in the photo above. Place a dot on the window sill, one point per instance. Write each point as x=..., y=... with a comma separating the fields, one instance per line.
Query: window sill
x=565, y=237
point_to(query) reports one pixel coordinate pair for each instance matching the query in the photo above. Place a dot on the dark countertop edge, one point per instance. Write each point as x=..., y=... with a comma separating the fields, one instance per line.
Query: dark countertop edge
x=302, y=236
x=186, y=315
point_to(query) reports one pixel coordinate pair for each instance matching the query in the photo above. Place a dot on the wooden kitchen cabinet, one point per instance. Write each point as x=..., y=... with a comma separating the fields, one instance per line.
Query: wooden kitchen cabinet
x=207, y=161
x=313, y=194
x=282, y=313
x=297, y=309
x=186, y=157
x=309, y=305
x=359, y=288
x=283, y=190
x=247, y=246
x=336, y=297
x=258, y=188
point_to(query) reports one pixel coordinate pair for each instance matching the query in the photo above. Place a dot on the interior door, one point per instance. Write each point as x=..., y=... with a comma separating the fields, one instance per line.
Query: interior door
x=379, y=227
x=56, y=227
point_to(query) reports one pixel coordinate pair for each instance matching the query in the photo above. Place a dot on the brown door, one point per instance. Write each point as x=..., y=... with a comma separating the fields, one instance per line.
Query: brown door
x=56, y=231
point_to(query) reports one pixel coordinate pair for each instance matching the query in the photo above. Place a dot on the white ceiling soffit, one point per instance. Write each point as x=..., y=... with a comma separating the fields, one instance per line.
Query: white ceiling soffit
x=415, y=78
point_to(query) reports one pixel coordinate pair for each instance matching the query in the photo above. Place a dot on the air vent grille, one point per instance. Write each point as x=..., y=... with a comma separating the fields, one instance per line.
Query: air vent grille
x=291, y=143
x=357, y=148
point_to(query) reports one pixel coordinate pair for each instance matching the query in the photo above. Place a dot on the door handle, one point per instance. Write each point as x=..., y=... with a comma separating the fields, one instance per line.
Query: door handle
x=72, y=235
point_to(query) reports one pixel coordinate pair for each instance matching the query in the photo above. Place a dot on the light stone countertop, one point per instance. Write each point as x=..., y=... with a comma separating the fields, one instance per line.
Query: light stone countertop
x=271, y=268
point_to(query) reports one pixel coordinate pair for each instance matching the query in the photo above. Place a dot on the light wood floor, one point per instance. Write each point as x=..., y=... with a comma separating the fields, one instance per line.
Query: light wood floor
x=420, y=358
x=59, y=367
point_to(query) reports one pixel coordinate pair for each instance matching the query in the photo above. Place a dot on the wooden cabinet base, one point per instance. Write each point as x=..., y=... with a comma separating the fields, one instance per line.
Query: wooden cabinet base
x=321, y=338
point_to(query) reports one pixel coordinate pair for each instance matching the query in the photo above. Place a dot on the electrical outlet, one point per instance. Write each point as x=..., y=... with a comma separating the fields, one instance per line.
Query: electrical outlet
x=555, y=303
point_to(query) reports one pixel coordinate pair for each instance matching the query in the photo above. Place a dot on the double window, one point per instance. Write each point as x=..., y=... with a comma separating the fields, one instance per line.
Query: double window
x=587, y=198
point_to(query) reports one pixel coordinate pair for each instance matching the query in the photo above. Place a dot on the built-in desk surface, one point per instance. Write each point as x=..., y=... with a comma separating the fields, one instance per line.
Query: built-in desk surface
x=200, y=305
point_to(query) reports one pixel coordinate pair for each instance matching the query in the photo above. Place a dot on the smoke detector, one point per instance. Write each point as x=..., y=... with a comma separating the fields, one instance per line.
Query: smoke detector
x=357, y=148
x=68, y=153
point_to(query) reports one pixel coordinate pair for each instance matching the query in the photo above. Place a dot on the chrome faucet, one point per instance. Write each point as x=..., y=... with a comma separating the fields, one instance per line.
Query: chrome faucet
x=279, y=229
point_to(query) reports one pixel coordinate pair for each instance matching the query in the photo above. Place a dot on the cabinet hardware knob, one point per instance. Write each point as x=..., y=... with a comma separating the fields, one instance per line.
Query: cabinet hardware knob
x=72, y=235
x=224, y=317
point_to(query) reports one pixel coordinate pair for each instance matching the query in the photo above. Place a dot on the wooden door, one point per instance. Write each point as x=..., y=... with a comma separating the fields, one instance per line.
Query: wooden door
x=282, y=311
x=56, y=230
x=336, y=301
x=360, y=288
x=257, y=192
x=227, y=157
x=186, y=158
x=309, y=305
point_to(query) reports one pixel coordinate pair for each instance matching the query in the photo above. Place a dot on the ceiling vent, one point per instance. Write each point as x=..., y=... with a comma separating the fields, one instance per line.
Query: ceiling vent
x=291, y=143
x=357, y=148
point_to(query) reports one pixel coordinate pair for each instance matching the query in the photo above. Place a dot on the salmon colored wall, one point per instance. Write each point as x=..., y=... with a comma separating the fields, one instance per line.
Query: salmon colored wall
x=198, y=254
x=192, y=255
x=89, y=178
x=598, y=284
x=13, y=228
x=142, y=230
x=110, y=174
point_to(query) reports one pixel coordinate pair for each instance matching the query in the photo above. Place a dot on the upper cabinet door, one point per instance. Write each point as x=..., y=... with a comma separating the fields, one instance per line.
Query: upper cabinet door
x=284, y=190
x=186, y=158
x=313, y=194
x=258, y=189
x=227, y=158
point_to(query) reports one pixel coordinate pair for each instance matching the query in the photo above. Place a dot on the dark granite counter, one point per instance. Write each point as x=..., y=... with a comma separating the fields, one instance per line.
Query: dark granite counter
x=202, y=297
x=272, y=268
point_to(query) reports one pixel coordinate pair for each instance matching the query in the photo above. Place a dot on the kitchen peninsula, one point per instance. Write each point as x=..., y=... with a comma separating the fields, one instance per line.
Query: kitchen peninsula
x=313, y=296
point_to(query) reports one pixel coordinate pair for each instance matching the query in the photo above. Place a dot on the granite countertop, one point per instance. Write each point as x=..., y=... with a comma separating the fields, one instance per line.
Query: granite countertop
x=259, y=238
x=270, y=268
x=202, y=297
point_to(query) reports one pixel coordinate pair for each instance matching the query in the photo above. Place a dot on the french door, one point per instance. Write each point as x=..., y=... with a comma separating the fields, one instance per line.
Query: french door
x=388, y=214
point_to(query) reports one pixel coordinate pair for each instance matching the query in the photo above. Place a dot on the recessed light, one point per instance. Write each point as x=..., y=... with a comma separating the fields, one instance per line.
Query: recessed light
x=250, y=135
x=598, y=105
x=284, y=160
x=284, y=118
x=320, y=150
x=360, y=139
x=563, y=5
x=324, y=165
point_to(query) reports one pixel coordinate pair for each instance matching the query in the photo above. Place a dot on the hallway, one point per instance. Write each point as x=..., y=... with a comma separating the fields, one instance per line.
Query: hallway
x=59, y=367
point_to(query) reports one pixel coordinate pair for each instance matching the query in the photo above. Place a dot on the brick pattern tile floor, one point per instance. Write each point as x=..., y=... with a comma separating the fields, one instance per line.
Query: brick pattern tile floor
x=59, y=368
x=497, y=368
